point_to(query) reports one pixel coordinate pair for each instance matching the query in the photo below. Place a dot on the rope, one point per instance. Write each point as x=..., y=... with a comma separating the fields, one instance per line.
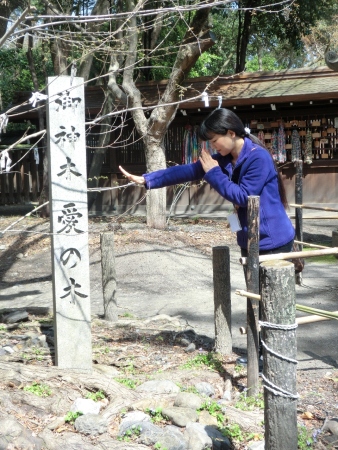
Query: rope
x=268, y=384
x=277, y=326
x=277, y=390
x=294, y=361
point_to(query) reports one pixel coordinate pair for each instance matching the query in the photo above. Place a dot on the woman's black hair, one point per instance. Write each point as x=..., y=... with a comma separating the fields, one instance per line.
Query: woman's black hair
x=220, y=121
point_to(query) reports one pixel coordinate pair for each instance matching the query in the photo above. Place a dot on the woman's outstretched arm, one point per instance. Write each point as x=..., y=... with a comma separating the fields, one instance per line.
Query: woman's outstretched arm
x=135, y=178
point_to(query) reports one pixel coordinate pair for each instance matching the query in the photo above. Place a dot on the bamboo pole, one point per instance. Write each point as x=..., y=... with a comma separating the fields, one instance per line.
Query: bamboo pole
x=300, y=321
x=323, y=208
x=293, y=255
x=311, y=245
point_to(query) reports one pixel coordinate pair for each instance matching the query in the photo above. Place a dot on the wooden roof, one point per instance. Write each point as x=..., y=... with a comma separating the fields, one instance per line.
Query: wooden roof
x=319, y=85
x=254, y=88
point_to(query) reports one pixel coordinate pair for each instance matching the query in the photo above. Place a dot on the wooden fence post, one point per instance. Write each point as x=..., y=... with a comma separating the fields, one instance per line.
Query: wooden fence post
x=252, y=279
x=299, y=200
x=108, y=276
x=222, y=299
x=278, y=331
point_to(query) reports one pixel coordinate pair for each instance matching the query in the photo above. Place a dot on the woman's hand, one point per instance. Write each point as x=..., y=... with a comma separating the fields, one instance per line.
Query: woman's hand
x=135, y=178
x=207, y=161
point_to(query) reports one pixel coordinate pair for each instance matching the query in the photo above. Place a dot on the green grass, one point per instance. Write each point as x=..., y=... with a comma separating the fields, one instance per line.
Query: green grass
x=324, y=259
x=41, y=390
x=208, y=360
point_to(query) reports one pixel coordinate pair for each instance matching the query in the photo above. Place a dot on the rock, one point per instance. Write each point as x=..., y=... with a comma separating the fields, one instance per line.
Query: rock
x=172, y=438
x=331, y=425
x=191, y=348
x=188, y=400
x=8, y=349
x=16, y=316
x=206, y=418
x=158, y=387
x=184, y=341
x=16, y=436
x=19, y=255
x=259, y=445
x=197, y=437
x=180, y=416
x=85, y=406
x=132, y=418
x=91, y=424
x=205, y=388
x=56, y=423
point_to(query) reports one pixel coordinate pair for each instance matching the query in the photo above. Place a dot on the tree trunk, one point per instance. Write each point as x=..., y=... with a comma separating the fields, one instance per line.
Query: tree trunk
x=244, y=33
x=44, y=189
x=100, y=152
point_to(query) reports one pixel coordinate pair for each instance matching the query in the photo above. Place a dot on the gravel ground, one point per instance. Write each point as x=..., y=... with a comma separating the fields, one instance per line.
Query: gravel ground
x=26, y=277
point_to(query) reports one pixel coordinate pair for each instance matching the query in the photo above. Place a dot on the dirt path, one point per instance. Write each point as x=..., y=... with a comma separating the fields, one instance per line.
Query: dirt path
x=170, y=272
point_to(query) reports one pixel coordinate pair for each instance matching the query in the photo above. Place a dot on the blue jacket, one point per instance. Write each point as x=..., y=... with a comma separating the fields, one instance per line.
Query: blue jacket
x=253, y=174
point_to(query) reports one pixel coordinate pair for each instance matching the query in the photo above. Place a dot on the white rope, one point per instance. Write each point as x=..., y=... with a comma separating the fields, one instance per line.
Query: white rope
x=277, y=326
x=285, y=358
x=278, y=391
x=36, y=97
x=132, y=183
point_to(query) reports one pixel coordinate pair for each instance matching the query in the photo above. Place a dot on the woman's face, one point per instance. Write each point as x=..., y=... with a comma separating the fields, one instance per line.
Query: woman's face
x=223, y=143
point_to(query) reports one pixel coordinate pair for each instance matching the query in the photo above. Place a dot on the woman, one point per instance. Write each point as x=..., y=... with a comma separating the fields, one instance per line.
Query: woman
x=241, y=167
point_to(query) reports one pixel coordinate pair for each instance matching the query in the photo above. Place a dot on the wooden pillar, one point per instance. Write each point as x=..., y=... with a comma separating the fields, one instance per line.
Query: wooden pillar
x=3, y=188
x=252, y=278
x=108, y=276
x=278, y=331
x=18, y=178
x=34, y=173
x=26, y=184
x=299, y=200
x=222, y=299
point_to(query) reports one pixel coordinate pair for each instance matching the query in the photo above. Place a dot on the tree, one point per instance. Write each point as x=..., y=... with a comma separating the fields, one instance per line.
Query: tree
x=117, y=43
x=117, y=48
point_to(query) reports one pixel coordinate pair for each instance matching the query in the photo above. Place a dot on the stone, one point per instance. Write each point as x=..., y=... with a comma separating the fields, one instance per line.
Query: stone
x=158, y=387
x=69, y=223
x=259, y=445
x=16, y=316
x=172, y=438
x=331, y=425
x=206, y=418
x=191, y=348
x=180, y=416
x=91, y=424
x=56, y=423
x=85, y=406
x=8, y=349
x=197, y=437
x=188, y=400
x=205, y=388
x=132, y=418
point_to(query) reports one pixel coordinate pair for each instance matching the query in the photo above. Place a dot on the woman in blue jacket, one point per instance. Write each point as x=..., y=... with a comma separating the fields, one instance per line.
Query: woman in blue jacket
x=240, y=167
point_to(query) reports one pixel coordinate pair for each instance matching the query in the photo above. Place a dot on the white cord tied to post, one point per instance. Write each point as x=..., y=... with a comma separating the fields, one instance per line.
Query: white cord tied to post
x=36, y=97
x=5, y=161
x=36, y=155
x=205, y=99
x=3, y=122
x=219, y=101
x=276, y=390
